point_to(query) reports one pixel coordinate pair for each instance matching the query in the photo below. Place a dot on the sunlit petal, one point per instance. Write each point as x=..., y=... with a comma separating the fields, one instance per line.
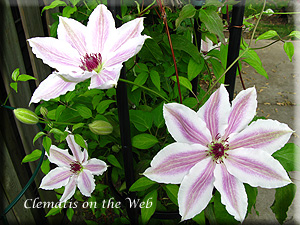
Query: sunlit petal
x=86, y=182
x=107, y=78
x=69, y=189
x=233, y=194
x=59, y=156
x=95, y=166
x=196, y=189
x=52, y=87
x=184, y=124
x=56, y=178
x=174, y=161
x=256, y=168
x=215, y=112
x=267, y=135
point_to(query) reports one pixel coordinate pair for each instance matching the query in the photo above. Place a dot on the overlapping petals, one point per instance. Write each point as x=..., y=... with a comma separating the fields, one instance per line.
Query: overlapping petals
x=95, y=51
x=73, y=170
x=216, y=147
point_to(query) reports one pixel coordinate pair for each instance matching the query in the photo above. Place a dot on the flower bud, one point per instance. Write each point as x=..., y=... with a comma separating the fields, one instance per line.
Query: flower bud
x=101, y=127
x=26, y=116
x=43, y=111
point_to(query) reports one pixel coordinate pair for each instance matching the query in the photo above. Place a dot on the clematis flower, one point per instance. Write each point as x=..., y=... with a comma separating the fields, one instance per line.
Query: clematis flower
x=95, y=51
x=73, y=170
x=216, y=147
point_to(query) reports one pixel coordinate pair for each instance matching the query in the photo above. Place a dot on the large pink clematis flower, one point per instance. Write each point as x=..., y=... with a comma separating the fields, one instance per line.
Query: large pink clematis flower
x=95, y=51
x=216, y=147
x=73, y=170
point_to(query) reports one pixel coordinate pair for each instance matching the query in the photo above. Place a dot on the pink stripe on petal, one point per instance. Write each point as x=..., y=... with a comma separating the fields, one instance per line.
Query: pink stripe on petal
x=75, y=148
x=267, y=135
x=243, y=111
x=174, y=161
x=256, y=168
x=86, y=182
x=69, y=189
x=196, y=189
x=60, y=157
x=95, y=166
x=52, y=87
x=184, y=124
x=233, y=194
x=56, y=178
x=215, y=112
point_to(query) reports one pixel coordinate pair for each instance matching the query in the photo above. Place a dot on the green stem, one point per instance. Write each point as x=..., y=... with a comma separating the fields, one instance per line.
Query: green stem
x=141, y=86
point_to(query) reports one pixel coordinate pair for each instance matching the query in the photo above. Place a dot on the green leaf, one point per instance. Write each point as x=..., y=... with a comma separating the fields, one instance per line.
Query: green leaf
x=84, y=111
x=102, y=106
x=184, y=82
x=295, y=33
x=54, y=211
x=267, y=35
x=283, y=199
x=14, y=86
x=74, y=2
x=141, y=184
x=155, y=78
x=25, y=77
x=151, y=50
x=47, y=143
x=287, y=155
x=144, y=141
x=58, y=112
x=53, y=5
x=188, y=11
x=253, y=60
x=96, y=100
x=148, y=210
x=37, y=136
x=194, y=68
x=70, y=213
x=68, y=11
x=35, y=155
x=76, y=126
x=113, y=160
x=80, y=141
x=172, y=192
x=218, y=69
x=213, y=22
x=56, y=131
x=251, y=194
x=158, y=118
x=289, y=49
x=141, y=120
x=140, y=80
x=15, y=74
x=212, y=3
x=45, y=167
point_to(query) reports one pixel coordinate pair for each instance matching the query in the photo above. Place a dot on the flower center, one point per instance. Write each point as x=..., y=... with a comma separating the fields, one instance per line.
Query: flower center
x=76, y=167
x=92, y=62
x=218, y=148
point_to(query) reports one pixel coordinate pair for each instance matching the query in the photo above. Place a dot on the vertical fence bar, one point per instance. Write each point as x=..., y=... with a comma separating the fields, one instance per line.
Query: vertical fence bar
x=235, y=33
x=123, y=112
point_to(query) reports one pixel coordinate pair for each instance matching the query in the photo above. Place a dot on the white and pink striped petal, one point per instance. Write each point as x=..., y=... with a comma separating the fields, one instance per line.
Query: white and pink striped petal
x=184, y=125
x=70, y=189
x=86, y=182
x=196, y=189
x=75, y=148
x=56, y=178
x=107, y=78
x=174, y=161
x=267, y=135
x=215, y=112
x=233, y=194
x=257, y=168
x=60, y=157
x=95, y=166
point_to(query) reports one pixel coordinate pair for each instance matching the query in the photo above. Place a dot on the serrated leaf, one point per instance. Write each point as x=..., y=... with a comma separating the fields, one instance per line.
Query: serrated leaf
x=141, y=184
x=289, y=49
x=146, y=212
x=283, y=199
x=141, y=120
x=35, y=155
x=184, y=82
x=84, y=111
x=188, y=11
x=102, y=106
x=14, y=86
x=47, y=143
x=53, y=5
x=25, y=77
x=267, y=35
x=80, y=141
x=155, y=78
x=213, y=22
x=194, y=68
x=140, y=80
x=15, y=74
x=172, y=192
x=70, y=213
x=144, y=141
x=287, y=155
x=37, y=136
x=114, y=161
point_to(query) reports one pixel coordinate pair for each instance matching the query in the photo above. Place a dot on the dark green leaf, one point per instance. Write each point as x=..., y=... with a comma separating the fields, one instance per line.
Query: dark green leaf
x=70, y=213
x=184, y=82
x=158, y=118
x=155, y=78
x=59, y=111
x=54, y=211
x=188, y=11
x=80, y=141
x=287, y=157
x=140, y=80
x=141, y=120
x=141, y=184
x=283, y=199
x=35, y=155
x=152, y=50
x=172, y=192
x=144, y=141
x=113, y=160
x=194, y=68
x=252, y=194
x=84, y=111
x=289, y=49
x=103, y=105
x=218, y=69
x=150, y=206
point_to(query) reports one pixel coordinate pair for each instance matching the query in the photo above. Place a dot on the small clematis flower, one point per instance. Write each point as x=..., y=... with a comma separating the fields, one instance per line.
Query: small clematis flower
x=73, y=170
x=95, y=51
x=216, y=147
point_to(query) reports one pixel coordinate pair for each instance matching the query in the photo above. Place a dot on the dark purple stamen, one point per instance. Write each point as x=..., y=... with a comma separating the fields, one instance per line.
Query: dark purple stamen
x=75, y=167
x=91, y=61
x=218, y=150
